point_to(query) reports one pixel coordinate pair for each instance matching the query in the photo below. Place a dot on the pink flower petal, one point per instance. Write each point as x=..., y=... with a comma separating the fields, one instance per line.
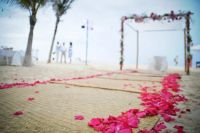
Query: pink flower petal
x=127, y=130
x=146, y=131
x=95, y=122
x=78, y=117
x=18, y=113
x=100, y=127
x=141, y=114
x=133, y=122
x=160, y=126
x=36, y=91
x=179, y=129
x=167, y=118
x=31, y=99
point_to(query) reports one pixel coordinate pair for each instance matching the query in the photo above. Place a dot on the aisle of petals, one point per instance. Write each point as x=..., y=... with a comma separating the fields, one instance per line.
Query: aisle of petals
x=26, y=84
x=162, y=103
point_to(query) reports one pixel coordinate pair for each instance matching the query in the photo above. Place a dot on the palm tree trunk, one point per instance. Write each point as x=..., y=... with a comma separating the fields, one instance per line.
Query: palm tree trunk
x=54, y=36
x=28, y=53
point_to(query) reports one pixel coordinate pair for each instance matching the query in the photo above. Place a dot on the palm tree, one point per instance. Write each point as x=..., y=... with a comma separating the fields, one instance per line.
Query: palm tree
x=32, y=6
x=60, y=7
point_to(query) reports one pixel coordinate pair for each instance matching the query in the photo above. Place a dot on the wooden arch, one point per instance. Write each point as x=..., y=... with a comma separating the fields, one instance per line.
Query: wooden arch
x=168, y=17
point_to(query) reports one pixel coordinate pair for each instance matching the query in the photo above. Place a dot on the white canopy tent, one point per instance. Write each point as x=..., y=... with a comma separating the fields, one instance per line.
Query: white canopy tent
x=15, y=57
x=195, y=47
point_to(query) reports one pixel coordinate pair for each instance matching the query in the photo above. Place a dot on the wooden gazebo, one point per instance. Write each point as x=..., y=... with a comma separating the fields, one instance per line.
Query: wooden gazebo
x=169, y=17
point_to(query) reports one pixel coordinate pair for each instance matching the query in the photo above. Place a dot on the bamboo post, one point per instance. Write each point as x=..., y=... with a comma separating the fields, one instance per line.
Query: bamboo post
x=86, y=50
x=122, y=44
x=137, y=53
x=185, y=52
x=188, y=43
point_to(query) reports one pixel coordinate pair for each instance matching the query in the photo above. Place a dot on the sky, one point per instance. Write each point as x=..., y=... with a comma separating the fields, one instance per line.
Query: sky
x=104, y=34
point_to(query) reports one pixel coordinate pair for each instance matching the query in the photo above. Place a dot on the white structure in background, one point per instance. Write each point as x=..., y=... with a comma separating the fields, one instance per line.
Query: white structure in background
x=195, y=47
x=158, y=64
x=8, y=56
x=18, y=57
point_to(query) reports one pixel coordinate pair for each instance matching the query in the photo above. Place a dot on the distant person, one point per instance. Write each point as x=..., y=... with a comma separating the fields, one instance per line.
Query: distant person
x=70, y=52
x=57, y=51
x=63, y=53
x=190, y=60
x=176, y=61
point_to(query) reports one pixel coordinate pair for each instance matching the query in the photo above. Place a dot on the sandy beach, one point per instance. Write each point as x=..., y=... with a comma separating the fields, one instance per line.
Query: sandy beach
x=57, y=102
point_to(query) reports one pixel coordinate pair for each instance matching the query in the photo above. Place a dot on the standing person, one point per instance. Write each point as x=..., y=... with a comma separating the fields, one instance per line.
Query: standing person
x=70, y=52
x=190, y=60
x=57, y=51
x=63, y=53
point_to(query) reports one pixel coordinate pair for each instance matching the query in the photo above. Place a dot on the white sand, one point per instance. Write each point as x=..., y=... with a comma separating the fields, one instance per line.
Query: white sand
x=191, y=88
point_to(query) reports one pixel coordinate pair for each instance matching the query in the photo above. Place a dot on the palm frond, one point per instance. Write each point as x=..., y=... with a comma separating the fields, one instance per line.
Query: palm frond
x=8, y=1
x=61, y=6
x=24, y=3
x=27, y=4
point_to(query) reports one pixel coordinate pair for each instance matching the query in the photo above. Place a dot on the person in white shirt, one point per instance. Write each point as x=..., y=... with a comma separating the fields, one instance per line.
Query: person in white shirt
x=57, y=51
x=63, y=52
x=70, y=52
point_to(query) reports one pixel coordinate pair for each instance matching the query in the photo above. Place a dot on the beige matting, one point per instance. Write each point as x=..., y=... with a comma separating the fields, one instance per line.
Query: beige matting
x=55, y=106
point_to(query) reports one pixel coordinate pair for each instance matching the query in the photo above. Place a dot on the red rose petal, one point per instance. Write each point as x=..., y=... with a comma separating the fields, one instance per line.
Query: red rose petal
x=141, y=114
x=179, y=129
x=36, y=91
x=18, y=113
x=167, y=118
x=78, y=117
x=133, y=122
x=159, y=127
x=95, y=122
x=128, y=130
x=31, y=99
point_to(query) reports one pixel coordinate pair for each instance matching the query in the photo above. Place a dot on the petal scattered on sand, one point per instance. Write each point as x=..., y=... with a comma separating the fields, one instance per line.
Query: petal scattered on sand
x=18, y=113
x=160, y=126
x=78, y=117
x=31, y=99
x=95, y=122
x=162, y=103
x=128, y=130
x=179, y=129
x=36, y=91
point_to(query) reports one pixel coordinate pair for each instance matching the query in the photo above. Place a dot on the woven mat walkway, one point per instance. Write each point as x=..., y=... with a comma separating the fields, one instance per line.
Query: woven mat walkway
x=55, y=106
x=118, y=82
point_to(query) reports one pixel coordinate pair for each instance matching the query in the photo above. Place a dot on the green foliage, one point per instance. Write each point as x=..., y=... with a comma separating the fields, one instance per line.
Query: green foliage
x=31, y=5
x=61, y=6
